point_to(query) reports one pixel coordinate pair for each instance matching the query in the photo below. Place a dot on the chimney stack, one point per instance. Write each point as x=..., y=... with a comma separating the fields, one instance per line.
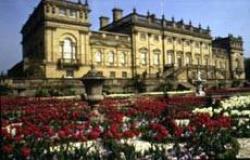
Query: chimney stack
x=104, y=21
x=117, y=14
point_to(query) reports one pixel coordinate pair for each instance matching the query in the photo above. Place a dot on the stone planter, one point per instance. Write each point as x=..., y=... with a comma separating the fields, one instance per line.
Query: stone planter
x=93, y=83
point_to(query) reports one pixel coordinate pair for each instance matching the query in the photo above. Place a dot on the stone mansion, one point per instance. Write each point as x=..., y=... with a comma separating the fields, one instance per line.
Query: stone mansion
x=58, y=42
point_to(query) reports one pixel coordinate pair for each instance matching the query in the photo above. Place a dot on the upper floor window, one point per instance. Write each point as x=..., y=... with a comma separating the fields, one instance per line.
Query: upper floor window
x=111, y=58
x=206, y=61
x=123, y=58
x=188, y=59
x=72, y=13
x=143, y=36
x=197, y=44
x=187, y=43
x=179, y=41
x=170, y=57
x=237, y=63
x=62, y=11
x=156, y=37
x=170, y=40
x=68, y=49
x=205, y=46
x=198, y=60
x=156, y=58
x=143, y=57
x=98, y=57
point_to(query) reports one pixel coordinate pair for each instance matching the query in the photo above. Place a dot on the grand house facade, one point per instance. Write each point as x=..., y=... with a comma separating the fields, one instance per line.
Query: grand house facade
x=57, y=42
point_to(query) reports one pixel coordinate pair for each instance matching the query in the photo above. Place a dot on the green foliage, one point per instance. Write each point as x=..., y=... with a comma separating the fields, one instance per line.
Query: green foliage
x=42, y=92
x=236, y=83
x=4, y=90
x=219, y=145
x=119, y=150
x=221, y=84
x=167, y=86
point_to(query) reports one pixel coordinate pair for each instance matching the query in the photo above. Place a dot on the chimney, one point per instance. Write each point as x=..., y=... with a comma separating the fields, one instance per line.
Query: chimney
x=117, y=14
x=104, y=21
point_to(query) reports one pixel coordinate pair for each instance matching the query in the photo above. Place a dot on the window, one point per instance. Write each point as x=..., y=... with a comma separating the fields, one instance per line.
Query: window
x=68, y=49
x=111, y=58
x=187, y=43
x=237, y=63
x=206, y=46
x=143, y=36
x=198, y=61
x=179, y=41
x=98, y=57
x=156, y=58
x=170, y=40
x=112, y=74
x=206, y=61
x=156, y=37
x=124, y=75
x=179, y=61
x=69, y=73
x=72, y=13
x=188, y=59
x=197, y=44
x=170, y=57
x=100, y=73
x=123, y=59
x=144, y=57
x=221, y=64
x=62, y=12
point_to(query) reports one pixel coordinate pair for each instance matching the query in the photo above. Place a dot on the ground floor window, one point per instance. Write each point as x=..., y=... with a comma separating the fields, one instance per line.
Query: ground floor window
x=112, y=74
x=124, y=75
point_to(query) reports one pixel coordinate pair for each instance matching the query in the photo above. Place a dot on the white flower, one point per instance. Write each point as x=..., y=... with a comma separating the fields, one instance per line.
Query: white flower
x=208, y=110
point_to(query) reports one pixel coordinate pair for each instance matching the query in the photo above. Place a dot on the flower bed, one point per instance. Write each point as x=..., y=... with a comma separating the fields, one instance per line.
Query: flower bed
x=117, y=129
x=238, y=108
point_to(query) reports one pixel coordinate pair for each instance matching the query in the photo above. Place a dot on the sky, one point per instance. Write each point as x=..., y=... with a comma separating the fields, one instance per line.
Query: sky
x=222, y=16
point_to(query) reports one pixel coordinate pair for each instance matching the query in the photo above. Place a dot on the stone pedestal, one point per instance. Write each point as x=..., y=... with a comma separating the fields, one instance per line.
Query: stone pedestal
x=93, y=83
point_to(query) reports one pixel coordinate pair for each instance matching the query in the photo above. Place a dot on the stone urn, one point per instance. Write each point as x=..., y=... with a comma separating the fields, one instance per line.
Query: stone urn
x=93, y=83
x=199, y=85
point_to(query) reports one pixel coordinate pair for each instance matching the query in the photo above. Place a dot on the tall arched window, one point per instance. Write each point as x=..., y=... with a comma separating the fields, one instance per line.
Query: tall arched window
x=237, y=63
x=188, y=59
x=170, y=57
x=123, y=58
x=143, y=53
x=68, y=49
x=156, y=57
x=98, y=57
x=111, y=58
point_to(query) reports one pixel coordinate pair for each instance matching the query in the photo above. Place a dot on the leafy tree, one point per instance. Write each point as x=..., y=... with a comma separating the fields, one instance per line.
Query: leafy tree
x=247, y=68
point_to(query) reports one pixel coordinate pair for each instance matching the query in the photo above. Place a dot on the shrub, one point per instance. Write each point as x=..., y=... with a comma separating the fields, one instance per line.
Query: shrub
x=236, y=83
x=42, y=92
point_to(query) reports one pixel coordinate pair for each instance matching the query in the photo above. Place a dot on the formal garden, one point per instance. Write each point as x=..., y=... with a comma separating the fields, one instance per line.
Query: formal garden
x=135, y=127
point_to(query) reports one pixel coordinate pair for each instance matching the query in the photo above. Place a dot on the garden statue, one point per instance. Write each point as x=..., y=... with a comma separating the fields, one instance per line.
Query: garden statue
x=199, y=85
x=93, y=83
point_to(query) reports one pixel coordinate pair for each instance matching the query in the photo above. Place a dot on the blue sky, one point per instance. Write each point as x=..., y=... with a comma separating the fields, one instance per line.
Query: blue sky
x=223, y=17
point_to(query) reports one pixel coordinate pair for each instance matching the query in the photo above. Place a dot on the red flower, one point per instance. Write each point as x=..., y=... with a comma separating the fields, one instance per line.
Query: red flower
x=7, y=149
x=178, y=132
x=25, y=151
x=95, y=133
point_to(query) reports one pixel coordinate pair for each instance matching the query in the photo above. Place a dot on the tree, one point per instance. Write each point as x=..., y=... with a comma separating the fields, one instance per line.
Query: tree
x=247, y=68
